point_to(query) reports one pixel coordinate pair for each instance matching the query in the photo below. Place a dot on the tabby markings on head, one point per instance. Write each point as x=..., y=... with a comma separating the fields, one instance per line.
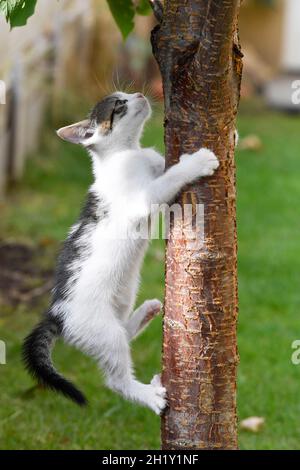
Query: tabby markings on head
x=107, y=111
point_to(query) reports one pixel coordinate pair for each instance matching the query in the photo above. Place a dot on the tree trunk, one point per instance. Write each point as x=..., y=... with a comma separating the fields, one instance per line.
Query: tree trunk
x=197, y=49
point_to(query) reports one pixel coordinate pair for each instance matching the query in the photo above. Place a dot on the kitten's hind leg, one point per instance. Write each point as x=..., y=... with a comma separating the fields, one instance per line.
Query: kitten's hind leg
x=115, y=358
x=142, y=316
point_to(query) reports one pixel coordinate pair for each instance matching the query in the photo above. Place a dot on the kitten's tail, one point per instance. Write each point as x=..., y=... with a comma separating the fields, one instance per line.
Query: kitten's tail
x=37, y=358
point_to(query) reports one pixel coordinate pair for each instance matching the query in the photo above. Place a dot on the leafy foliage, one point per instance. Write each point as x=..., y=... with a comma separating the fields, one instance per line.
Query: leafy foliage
x=124, y=11
x=17, y=12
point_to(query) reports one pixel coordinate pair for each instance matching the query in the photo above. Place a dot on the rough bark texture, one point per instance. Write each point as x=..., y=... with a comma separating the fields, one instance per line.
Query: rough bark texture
x=197, y=49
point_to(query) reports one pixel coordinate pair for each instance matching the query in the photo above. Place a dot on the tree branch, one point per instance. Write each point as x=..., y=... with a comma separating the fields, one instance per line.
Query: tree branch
x=158, y=9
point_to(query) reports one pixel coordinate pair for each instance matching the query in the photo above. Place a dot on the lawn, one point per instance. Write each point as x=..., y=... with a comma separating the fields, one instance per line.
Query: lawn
x=39, y=212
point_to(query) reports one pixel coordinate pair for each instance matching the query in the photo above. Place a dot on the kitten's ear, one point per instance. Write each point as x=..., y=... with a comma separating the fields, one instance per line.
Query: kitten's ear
x=77, y=133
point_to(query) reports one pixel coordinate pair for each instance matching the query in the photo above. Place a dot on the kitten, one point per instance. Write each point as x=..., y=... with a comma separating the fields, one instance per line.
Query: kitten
x=97, y=273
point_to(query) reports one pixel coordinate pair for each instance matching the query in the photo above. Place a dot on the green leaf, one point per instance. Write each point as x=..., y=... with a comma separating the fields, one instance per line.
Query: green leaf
x=143, y=7
x=3, y=8
x=17, y=12
x=21, y=14
x=123, y=12
x=6, y=7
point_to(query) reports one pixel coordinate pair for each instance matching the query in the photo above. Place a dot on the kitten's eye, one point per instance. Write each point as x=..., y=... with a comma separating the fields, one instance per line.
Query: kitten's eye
x=119, y=106
x=118, y=109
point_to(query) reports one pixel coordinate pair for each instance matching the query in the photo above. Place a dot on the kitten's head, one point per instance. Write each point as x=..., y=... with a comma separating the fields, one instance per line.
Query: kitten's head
x=117, y=119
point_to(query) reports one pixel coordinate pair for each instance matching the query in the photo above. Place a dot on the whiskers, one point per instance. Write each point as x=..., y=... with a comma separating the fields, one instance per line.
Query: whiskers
x=153, y=97
x=129, y=86
x=105, y=88
x=126, y=86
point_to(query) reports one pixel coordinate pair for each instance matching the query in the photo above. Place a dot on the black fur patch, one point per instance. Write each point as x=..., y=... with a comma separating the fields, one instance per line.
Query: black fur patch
x=92, y=212
x=38, y=344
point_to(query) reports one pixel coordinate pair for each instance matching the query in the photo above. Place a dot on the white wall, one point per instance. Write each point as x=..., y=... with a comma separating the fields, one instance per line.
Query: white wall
x=31, y=57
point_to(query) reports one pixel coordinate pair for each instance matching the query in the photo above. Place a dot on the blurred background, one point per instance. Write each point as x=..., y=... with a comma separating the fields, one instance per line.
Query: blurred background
x=54, y=69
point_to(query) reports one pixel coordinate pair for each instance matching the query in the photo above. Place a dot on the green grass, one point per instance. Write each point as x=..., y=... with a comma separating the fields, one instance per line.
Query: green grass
x=47, y=202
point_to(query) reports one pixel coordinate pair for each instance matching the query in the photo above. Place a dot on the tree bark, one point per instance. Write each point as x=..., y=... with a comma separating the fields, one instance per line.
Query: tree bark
x=197, y=49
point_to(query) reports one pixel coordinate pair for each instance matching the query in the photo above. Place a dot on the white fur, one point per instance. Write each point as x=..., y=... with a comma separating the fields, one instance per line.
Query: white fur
x=98, y=315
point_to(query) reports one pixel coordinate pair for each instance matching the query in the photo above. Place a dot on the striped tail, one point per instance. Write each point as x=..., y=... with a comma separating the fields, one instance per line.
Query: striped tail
x=37, y=349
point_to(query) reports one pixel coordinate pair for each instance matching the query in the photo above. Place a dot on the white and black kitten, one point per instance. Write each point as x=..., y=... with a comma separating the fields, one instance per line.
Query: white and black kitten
x=97, y=275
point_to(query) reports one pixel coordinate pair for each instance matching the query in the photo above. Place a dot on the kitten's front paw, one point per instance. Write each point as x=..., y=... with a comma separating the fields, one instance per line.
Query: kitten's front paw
x=153, y=307
x=201, y=163
x=158, y=401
